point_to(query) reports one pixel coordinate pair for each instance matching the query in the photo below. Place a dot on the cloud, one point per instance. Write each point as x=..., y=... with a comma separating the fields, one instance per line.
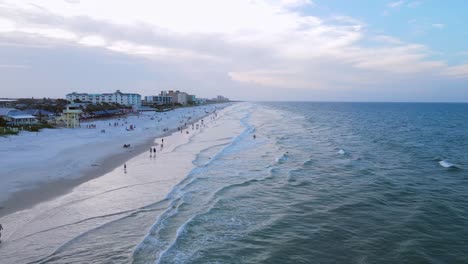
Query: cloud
x=460, y=71
x=240, y=43
x=295, y=3
x=414, y=4
x=438, y=26
x=388, y=39
x=396, y=4
x=6, y=25
x=93, y=41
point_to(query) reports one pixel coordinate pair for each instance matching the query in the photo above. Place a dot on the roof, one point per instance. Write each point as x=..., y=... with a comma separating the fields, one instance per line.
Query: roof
x=8, y=111
x=22, y=116
x=103, y=94
x=37, y=112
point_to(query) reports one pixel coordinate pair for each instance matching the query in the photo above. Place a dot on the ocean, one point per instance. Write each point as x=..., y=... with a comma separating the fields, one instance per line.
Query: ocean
x=320, y=183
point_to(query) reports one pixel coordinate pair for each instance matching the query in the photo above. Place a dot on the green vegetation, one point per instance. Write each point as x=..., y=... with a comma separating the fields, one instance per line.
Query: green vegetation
x=14, y=130
x=6, y=131
x=104, y=106
x=51, y=105
x=3, y=122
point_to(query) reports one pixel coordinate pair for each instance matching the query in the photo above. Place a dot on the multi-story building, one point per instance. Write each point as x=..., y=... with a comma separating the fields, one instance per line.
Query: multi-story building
x=118, y=97
x=191, y=99
x=159, y=99
x=221, y=98
x=178, y=97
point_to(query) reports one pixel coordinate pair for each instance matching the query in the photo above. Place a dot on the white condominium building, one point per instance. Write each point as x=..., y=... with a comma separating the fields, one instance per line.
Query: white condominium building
x=117, y=97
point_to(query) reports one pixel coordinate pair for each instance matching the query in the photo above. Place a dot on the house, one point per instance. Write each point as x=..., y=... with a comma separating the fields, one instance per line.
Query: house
x=16, y=117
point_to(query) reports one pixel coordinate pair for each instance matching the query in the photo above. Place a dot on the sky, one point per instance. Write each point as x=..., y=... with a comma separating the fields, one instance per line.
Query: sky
x=272, y=50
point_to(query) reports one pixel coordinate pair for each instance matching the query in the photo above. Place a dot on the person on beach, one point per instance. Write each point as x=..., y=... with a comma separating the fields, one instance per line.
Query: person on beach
x=151, y=151
x=254, y=136
x=1, y=228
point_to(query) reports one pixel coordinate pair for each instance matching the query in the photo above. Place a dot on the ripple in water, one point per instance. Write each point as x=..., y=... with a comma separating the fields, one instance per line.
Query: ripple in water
x=287, y=197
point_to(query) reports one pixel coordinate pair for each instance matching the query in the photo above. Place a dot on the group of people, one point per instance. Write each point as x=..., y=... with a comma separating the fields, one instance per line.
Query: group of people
x=152, y=150
x=116, y=124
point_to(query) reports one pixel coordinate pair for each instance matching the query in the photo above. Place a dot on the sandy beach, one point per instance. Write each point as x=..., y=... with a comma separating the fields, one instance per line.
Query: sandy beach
x=39, y=166
x=75, y=206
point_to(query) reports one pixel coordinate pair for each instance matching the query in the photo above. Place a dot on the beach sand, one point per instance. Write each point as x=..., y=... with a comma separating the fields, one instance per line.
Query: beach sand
x=83, y=205
x=39, y=166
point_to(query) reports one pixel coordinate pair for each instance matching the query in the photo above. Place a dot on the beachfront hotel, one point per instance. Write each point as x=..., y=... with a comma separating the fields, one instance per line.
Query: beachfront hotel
x=169, y=97
x=118, y=97
x=159, y=99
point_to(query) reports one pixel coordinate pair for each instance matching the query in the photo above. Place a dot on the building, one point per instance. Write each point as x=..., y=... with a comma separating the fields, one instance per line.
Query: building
x=7, y=103
x=16, y=117
x=159, y=99
x=170, y=97
x=191, y=99
x=202, y=100
x=178, y=97
x=40, y=114
x=221, y=98
x=118, y=97
x=71, y=116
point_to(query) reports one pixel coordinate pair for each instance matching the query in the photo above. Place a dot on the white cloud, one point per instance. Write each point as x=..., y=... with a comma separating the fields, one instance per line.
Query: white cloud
x=93, y=41
x=438, y=26
x=7, y=25
x=264, y=42
x=460, y=71
x=396, y=4
x=49, y=32
x=388, y=39
x=414, y=4
x=295, y=3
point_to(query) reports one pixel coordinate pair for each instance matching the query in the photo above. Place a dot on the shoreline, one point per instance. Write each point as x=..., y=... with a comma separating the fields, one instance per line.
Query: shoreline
x=45, y=191
x=104, y=208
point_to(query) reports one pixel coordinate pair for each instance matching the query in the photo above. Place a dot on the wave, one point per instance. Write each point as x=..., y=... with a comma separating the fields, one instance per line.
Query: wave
x=448, y=165
x=148, y=248
x=128, y=214
x=284, y=157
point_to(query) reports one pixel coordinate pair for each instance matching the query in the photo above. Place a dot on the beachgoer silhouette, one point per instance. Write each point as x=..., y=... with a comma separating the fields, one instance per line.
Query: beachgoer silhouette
x=254, y=136
x=125, y=166
x=1, y=228
x=154, y=150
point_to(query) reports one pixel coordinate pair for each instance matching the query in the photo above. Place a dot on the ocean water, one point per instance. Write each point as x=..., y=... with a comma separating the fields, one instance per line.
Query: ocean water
x=321, y=183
